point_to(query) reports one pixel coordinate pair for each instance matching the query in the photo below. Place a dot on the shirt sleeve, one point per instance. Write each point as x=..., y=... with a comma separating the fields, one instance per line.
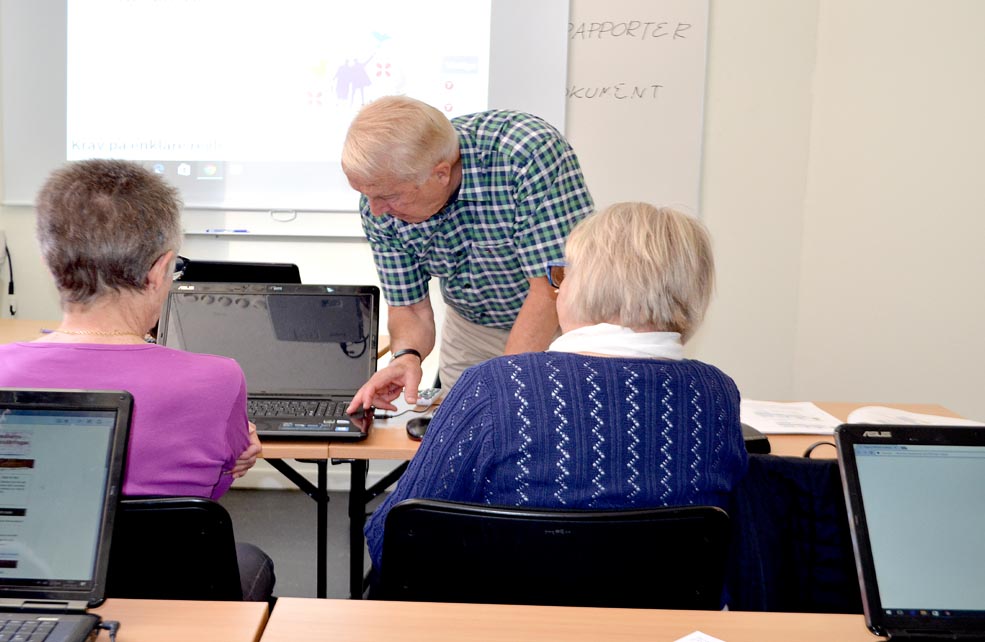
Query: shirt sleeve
x=237, y=436
x=403, y=280
x=551, y=196
x=448, y=464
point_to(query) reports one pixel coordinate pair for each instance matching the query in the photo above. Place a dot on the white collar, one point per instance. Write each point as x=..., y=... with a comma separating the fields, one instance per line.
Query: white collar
x=618, y=341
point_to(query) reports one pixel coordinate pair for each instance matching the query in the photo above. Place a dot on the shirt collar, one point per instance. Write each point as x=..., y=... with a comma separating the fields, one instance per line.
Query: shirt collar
x=618, y=341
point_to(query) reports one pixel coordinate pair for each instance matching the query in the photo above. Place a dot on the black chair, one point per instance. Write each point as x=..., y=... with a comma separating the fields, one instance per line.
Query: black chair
x=653, y=558
x=173, y=548
x=792, y=546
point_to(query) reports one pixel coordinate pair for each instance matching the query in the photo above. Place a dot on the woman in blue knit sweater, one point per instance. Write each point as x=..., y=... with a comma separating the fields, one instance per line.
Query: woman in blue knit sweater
x=612, y=415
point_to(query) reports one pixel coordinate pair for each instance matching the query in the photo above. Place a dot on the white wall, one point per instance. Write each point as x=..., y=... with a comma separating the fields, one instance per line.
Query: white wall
x=842, y=184
x=892, y=303
x=757, y=123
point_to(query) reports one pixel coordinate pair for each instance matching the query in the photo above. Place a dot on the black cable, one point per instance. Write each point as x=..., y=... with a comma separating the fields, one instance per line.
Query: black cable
x=345, y=348
x=10, y=270
x=110, y=625
x=810, y=449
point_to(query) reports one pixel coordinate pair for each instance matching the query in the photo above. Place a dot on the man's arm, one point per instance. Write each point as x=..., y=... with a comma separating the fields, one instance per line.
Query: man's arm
x=536, y=323
x=410, y=327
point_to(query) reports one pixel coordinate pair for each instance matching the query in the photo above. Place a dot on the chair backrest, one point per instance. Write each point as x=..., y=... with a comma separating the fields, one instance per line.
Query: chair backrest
x=792, y=547
x=173, y=548
x=654, y=558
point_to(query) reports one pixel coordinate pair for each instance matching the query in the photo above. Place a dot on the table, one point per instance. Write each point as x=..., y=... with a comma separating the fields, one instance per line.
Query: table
x=304, y=619
x=12, y=330
x=795, y=445
x=189, y=621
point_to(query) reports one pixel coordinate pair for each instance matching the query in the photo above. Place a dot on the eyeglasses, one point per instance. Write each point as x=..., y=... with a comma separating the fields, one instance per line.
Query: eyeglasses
x=180, y=263
x=555, y=272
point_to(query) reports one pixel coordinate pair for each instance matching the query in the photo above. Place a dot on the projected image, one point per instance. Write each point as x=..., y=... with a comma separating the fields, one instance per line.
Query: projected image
x=237, y=100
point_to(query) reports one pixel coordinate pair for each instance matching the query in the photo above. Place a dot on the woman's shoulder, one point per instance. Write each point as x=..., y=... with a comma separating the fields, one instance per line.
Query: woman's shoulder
x=196, y=363
x=701, y=366
x=693, y=368
x=512, y=365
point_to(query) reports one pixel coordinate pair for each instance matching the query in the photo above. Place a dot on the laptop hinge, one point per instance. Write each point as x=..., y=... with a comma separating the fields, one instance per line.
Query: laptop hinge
x=45, y=606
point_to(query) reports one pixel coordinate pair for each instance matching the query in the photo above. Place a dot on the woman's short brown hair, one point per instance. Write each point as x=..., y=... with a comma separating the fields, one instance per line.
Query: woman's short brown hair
x=640, y=266
x=102, y=224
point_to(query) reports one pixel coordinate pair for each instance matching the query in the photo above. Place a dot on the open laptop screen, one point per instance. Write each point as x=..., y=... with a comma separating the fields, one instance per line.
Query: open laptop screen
x=925, y=510
x=60, y=471
x=297, y=339
x=918, y=505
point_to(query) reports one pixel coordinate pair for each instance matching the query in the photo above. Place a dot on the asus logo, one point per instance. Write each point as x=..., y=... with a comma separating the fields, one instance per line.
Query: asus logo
x=186, y=287
x=884, y=434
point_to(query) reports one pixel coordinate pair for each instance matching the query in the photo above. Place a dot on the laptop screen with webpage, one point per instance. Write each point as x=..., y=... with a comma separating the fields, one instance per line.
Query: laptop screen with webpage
x=917, y=500
x=289, y=339
x=61, y=468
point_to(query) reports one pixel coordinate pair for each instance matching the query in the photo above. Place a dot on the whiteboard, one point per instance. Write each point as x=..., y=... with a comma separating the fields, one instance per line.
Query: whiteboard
x=635, y=98
x=526, y=51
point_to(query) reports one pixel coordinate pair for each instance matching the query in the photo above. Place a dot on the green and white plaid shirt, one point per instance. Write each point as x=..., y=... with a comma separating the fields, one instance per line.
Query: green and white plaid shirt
x=522, y=191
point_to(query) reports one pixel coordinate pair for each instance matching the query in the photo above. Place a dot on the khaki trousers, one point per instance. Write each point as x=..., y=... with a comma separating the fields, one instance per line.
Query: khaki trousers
x=464, y=344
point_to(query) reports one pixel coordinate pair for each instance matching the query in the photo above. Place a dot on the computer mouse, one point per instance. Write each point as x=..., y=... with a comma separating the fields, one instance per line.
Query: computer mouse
x=417, y=426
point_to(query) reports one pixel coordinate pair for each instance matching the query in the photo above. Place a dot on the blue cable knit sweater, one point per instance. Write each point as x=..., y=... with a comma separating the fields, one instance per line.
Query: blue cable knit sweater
x=562, y=430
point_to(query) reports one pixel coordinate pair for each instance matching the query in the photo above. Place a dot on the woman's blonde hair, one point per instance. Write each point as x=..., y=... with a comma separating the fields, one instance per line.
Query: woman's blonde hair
x=399, y=138
x=642, y=267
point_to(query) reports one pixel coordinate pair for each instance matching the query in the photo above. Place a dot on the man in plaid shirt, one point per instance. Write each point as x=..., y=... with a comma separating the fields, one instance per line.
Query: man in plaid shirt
x=482, y=202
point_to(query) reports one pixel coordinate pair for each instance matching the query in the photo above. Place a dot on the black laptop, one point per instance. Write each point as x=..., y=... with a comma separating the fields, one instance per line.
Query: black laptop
x=305, y=349
x=197, y=270
x=61, y=469
x=916, y=501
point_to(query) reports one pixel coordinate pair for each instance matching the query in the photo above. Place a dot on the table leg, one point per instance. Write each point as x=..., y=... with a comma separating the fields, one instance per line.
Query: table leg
x=357, y=520
x=359, y=497
x=318, y=493
x=321, y=589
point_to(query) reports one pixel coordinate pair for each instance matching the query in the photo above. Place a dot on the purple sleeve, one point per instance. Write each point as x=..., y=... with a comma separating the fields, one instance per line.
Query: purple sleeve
x=237, y=437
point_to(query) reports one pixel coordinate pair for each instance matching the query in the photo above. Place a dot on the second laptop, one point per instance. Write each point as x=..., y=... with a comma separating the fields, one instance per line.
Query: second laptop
x=305, y=349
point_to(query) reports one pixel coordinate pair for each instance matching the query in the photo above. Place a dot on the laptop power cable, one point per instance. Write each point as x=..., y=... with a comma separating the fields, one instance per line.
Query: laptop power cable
x=110, y=625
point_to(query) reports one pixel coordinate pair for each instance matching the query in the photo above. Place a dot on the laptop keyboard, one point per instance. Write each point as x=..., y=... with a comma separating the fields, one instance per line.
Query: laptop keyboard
x=294, y=408
x=25, y=630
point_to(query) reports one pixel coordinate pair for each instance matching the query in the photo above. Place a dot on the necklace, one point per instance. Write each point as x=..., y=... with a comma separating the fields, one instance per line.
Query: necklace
x=99, y=333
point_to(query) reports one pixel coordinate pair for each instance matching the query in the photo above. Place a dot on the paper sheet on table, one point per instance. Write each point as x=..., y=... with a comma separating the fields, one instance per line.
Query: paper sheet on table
x=787, y=418
x=698, y=636
x=884, y=415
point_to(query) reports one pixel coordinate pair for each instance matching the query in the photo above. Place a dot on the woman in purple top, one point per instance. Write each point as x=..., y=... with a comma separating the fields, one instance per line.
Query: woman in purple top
x=109, y=232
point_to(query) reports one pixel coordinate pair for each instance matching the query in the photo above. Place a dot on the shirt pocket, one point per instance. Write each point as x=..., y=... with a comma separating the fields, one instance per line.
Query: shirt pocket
x=492, y=273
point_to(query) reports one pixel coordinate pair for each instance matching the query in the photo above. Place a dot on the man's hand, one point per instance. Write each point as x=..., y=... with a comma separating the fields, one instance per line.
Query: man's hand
x=248, y=456
x=386, y=385
x=410, y=326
